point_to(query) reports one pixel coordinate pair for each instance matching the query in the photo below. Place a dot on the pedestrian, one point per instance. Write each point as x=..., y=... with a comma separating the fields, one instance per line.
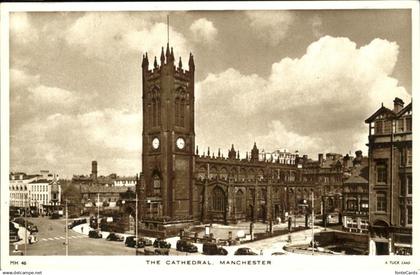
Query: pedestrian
x=261, y=252
x=81, y=228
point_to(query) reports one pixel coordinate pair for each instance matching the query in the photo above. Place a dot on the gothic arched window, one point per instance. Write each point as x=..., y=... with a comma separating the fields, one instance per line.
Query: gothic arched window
x=182, y=113
x=239, y=201
x=218, y=199
x=176, y=111
x=154, y=111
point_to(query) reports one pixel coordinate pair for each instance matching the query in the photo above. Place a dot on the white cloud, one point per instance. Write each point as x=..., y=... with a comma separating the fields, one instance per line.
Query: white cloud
x=271, y=26
x=203, y=30
x=21, y=30
x=19, y=78
x=106, y=136
x=316, y=102
x=52, y=95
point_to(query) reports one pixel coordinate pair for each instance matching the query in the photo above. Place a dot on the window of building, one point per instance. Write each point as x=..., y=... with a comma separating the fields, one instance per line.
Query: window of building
x=402, y=215
x=387, y=127
x=381, y=173
x=400, y=125
x=409, y=157
x=156, y=185
x=408, y=123
x=381, y=202
x=218, y=199
x=378, y=127
x=239, y=201
x=364, y=205
x=403, y=191
x=351, y=205
x=409, y=214
x=409, y=185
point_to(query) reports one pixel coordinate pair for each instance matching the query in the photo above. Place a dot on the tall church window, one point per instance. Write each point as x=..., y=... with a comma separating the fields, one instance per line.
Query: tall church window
x=153, y=112
x=159, y=122
x=239, y=201
x=218, y=199
x=177, y=111
x=182, y=113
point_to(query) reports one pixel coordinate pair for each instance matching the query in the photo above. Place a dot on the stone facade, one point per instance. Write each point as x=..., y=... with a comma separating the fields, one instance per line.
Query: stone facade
x=181, y=185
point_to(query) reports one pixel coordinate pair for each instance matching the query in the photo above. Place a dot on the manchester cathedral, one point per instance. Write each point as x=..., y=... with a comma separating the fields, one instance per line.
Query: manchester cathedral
x=180, y=186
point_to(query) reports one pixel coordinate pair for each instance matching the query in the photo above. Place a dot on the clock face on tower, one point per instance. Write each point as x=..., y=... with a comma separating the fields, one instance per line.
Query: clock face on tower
x=155, y=143
x=180, y=143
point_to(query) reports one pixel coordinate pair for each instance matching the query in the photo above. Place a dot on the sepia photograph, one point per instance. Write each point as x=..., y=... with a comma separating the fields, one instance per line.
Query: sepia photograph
x=190, y=130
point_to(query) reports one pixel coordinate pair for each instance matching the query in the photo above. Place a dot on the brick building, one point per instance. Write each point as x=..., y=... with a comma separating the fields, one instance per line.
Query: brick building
x=390, y=179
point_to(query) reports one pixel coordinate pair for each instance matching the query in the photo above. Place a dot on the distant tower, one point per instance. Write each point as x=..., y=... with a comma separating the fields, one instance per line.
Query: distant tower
x=94, y=170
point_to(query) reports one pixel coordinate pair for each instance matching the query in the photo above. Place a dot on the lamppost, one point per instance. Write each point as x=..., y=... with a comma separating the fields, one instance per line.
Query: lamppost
x=67, y=231
x=313, y=222
x=136, y=225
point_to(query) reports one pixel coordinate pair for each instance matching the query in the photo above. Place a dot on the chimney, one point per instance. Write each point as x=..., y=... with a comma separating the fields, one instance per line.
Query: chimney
x=94, y=170
x=320, y=158
x=398, y=104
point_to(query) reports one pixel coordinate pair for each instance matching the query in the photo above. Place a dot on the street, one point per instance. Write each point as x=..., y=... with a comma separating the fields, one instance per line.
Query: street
x=51, y=239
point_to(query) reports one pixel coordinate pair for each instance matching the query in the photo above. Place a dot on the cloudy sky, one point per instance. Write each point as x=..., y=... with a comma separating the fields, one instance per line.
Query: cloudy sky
x=302, y=80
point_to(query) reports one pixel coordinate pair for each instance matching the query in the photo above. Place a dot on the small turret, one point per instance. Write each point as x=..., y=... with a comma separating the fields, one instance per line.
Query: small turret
x=168, y=54
x=180, y=63
x=155, y=64
x=208, y=151
x=254, y=152
x=232, y=153
x=172, y=57
x=162, y=58
x=196, y=151
x=145, y=62
x=191, y=63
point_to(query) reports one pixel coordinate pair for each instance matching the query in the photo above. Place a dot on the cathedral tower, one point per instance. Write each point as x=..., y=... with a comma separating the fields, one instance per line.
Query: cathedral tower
x=168, y=135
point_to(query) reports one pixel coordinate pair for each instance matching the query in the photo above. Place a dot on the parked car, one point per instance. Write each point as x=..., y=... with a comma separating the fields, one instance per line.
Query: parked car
x=147, y=242
x=186, y=246
x=132, y=241
x=213, y=249
x=162, y=251
x=114, y=237
x=278, y=253
x=95, y=234
x=55, y=216
x=160, y=243
x=245, y=251
x=149, y=251
x=76, y=222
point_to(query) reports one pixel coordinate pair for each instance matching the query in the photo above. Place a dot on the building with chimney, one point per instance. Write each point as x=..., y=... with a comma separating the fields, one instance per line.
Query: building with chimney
x=390, y=179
